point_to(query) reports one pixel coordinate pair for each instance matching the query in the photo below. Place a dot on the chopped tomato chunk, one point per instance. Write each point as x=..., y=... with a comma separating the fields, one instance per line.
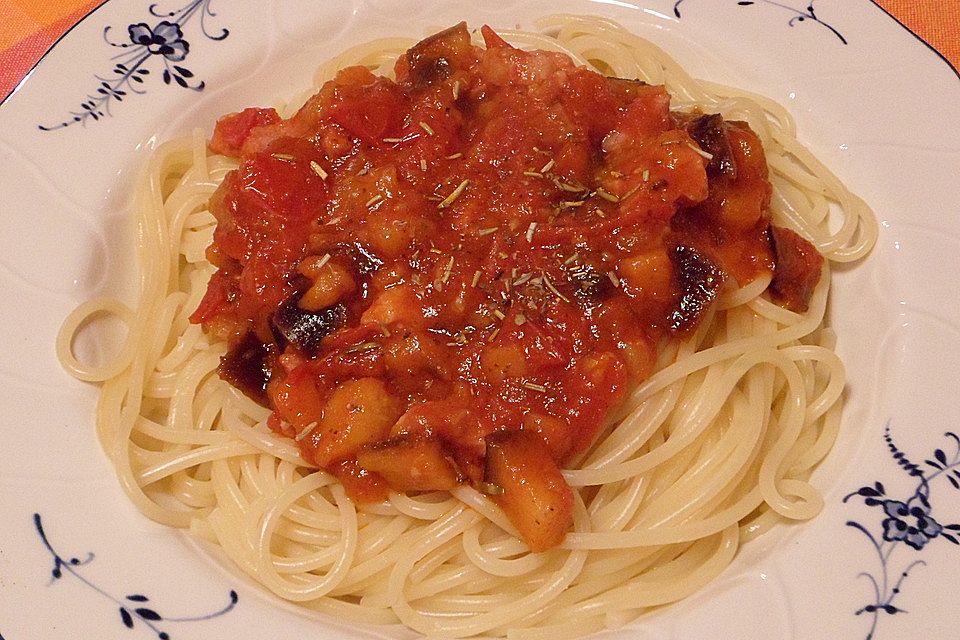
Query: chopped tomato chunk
x=233, y=130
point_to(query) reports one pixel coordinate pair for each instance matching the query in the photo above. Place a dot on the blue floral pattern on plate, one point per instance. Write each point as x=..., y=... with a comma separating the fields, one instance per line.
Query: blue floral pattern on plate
x=890, y=525
x=799, y=16
x=145, y=43
x=908, y=521
x=134, y=607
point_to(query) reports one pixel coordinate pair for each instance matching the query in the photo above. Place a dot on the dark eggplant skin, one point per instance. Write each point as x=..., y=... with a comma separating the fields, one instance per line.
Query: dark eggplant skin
x=305, y=329
x=699, y=280
x=710, y=132
x=247, y=367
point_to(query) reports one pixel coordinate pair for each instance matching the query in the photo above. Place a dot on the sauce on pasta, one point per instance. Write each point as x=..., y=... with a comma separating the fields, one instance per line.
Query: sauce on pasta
x=457, y=276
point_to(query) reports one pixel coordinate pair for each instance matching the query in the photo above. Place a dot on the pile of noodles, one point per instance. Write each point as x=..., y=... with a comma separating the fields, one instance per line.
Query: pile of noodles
x=712, y=450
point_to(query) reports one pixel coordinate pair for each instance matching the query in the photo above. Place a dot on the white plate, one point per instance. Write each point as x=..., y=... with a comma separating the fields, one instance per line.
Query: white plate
x=874, y=103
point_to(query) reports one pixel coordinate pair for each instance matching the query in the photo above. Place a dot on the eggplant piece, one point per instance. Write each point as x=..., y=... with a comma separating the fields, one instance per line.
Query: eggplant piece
x=305, y=329
x=797, y=271
x=710, y=132
x=246, y=366
x=412, y=462
x=359, y=412
x=436, y=57
x=529, y=486
x=699, y=281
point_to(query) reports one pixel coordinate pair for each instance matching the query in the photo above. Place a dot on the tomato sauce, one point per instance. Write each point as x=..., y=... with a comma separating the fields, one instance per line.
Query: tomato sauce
x=496, y=242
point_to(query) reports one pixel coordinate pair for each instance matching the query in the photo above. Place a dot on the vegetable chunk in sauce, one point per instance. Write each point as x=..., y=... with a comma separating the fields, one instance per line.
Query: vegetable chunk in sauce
x=456, y=276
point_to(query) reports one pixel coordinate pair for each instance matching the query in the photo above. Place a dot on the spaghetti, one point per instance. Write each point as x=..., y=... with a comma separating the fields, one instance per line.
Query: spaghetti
x=711, y=450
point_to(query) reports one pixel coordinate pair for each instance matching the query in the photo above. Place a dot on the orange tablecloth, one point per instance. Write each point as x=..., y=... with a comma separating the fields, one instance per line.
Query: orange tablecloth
x=29, y=27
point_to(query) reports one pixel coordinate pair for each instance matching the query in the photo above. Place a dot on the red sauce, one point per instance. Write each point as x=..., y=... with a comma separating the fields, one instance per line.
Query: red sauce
x=496, y=241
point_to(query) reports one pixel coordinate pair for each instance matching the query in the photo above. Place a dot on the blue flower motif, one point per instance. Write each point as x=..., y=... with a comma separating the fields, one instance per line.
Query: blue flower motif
x=913, y=525
x=166, y=39
x=135, y=608
x=161, y=45
x=908, y=521
x=800, y=16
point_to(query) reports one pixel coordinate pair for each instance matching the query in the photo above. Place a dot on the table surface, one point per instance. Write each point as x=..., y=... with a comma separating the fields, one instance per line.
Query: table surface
x=28, y=28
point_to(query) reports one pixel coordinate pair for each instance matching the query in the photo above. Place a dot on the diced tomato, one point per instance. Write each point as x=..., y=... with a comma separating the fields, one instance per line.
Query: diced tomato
x=286, y=190
x=647, y=115
x=214, y=300
x=590, y=99
x=232, y=130
x=367, y=107
x=263, y=209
